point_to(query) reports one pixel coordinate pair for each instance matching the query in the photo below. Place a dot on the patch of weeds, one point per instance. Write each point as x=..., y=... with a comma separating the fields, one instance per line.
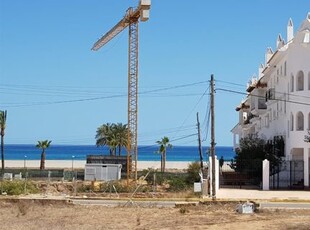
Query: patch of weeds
x=18, y=187
x=184, y=210
x=23, y=207
x=138, y=220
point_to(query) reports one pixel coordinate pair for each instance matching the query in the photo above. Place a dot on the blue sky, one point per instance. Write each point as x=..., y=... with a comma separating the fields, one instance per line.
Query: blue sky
x=48, y=74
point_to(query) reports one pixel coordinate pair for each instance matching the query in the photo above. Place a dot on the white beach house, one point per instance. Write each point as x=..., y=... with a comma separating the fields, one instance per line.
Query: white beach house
x=278, y=101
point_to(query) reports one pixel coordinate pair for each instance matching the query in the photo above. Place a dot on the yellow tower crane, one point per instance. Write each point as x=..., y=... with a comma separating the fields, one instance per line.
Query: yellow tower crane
x=131, y=20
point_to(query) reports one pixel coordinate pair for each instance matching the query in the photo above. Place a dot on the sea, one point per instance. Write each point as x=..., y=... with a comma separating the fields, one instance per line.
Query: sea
x=79, y=152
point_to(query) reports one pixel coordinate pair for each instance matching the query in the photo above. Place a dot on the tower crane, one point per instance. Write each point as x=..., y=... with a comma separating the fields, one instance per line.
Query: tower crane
x=131, y=20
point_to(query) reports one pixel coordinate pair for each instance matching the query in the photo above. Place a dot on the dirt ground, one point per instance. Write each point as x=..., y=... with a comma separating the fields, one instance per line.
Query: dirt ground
x=49, y=215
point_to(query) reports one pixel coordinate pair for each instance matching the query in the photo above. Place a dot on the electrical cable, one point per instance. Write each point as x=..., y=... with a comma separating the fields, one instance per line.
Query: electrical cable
x=276, y=99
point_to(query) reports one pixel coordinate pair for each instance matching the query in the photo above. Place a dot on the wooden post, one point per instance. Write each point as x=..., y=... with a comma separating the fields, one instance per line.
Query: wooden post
x=199, y=143
x=212, y=149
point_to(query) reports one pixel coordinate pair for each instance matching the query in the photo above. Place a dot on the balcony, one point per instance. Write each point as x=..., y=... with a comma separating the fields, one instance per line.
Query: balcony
x=259, y=106
x=262, y=103
x=248, y=118
x=271, y=94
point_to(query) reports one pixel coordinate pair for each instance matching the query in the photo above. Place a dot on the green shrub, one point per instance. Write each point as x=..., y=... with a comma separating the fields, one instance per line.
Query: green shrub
x=177, y=184
x=18, y=187
x=177, y=181
x=193, y=173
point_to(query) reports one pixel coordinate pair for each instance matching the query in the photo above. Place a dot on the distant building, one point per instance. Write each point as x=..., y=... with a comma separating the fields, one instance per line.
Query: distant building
x=278, y=101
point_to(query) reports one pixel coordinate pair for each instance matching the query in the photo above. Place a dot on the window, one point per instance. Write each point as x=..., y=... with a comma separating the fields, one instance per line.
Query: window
x=292, y=122
x=292, y=83
x=284, y=68
x=299, y=121
x=300, y=81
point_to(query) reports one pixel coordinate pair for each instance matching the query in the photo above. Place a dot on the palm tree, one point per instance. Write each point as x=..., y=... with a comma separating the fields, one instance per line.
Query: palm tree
x=43, y=145
x=112, y=135
x=2, y=128
x=121, y=132
x=163, y=145
x=104, y=135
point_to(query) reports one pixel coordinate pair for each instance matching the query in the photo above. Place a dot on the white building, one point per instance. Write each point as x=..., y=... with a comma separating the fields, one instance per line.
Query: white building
x=278, y=101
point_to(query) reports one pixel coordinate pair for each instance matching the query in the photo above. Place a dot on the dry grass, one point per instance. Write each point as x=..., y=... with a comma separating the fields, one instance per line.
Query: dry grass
x=45, y=215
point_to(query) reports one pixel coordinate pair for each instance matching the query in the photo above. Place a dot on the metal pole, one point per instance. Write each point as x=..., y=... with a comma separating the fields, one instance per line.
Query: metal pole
x=25, y=157
x=212, y=149
x=72, y=164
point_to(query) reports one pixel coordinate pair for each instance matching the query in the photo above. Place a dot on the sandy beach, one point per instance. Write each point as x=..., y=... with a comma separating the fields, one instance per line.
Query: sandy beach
x=81, y=164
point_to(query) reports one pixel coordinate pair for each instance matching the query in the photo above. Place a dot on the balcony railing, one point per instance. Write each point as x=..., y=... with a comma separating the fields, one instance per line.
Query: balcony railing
x=262, y=103
x=270, y=94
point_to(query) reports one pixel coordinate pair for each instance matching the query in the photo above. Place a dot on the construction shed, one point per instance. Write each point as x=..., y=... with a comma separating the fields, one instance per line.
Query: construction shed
x=104, y=159
x=102, y=172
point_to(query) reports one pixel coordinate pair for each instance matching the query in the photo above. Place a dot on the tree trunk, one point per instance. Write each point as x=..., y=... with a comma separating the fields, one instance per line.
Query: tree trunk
x=164, y=161
x=161, y=162
x=119, y=150
x=42, y=163
x=2, y=152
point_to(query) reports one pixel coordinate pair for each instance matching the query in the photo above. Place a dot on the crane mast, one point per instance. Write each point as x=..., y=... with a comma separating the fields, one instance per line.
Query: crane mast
x=131, y=20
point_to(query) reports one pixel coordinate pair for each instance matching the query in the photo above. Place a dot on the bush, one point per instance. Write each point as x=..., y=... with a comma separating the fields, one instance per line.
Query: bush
x=18, y=187
x=84, y=188
x=161, y=177
x=177, y=184
x=177, y=181
x=120, y=187
x=193, y=173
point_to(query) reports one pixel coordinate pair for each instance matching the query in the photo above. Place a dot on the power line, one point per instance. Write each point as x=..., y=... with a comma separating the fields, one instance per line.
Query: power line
x=275, y=99
x=73, y=90
x=101, y=97
x=289, y=94
x=231, y=83
x=204, y=93
x=171, y=141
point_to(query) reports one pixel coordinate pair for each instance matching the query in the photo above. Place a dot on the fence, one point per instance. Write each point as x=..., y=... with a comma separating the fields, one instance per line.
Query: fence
x=287, y=175
x=37, y=174
x=241, y=174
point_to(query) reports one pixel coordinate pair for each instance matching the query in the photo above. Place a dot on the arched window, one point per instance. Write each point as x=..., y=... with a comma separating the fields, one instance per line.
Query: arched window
x=299, y=121
x=292, y=83
x=292, y=122
x=300, y=81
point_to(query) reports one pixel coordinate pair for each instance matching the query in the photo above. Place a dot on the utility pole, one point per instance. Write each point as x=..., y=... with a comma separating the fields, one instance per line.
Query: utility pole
x=199, y=143
x=212, y=150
